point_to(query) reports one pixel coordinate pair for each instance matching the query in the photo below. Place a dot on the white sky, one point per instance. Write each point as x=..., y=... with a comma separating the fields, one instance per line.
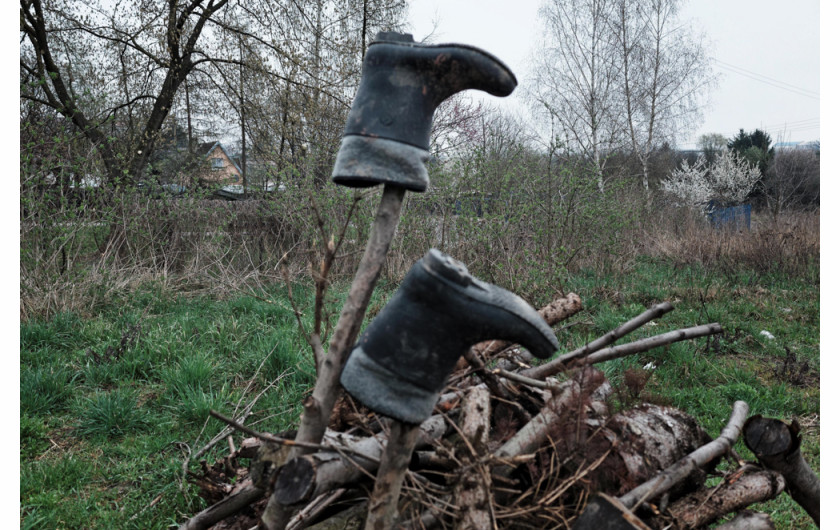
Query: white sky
x=768, y=53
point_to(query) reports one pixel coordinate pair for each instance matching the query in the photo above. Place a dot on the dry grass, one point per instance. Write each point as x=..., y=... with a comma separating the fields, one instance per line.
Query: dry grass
x=788, y=244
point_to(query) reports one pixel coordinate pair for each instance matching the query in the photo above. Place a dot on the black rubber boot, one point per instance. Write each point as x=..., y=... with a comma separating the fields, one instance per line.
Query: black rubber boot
x=404, y=357
x=386, y=139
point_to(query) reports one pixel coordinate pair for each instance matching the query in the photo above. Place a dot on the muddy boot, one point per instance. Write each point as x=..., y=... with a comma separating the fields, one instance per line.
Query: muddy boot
x=404, y=357
x=387, y=135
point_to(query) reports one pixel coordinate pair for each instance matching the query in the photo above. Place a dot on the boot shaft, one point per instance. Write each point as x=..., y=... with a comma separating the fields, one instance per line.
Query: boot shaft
x=386, y=139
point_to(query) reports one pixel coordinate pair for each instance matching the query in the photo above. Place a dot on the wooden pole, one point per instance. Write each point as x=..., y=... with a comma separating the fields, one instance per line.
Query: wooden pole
x=318, y=406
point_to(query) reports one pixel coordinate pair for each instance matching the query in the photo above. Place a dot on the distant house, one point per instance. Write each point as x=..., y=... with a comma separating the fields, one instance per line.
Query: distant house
x=218, y=167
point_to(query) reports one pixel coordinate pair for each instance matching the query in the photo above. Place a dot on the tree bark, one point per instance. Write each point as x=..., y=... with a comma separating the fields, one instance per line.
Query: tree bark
x=776, y=445
x=706, y=506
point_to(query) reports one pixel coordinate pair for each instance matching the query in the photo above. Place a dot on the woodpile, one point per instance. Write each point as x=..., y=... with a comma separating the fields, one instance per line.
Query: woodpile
x=512, y=445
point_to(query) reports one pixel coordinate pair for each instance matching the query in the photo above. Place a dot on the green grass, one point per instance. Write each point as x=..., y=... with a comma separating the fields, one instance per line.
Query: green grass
x=105, y=423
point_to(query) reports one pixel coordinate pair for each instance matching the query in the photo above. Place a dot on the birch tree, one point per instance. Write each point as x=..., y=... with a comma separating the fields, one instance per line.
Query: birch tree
x=575, y=80
x=620, y=75
x=664, y=72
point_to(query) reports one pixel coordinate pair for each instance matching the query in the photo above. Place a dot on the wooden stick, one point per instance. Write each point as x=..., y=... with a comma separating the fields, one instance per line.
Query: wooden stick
x=558, y=365
x=677, y=472
x=318, y=407
x=614, y=352
x=308, y=476
x=383, y=513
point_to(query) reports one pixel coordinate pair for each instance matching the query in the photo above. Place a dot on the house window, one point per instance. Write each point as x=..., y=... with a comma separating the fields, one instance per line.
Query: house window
x=218, y=163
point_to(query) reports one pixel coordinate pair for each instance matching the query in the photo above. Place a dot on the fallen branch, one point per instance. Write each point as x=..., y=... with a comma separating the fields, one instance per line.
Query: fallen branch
x=776, y=445
x=563, y=362
x=706, y=506
x=568, y=397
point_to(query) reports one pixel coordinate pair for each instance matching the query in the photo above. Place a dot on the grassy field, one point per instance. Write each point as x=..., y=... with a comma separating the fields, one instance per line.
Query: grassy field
x=114, y=400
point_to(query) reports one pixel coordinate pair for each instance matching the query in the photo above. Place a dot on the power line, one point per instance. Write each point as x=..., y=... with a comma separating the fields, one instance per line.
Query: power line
x=767, y=80
x=795, y=123
x=765, y=77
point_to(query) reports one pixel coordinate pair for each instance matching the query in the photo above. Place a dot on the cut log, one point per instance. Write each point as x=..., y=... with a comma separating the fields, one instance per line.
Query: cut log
x=641, y=442
x=676, y=473
x=705, y=506
x=611, y=515
x=776, y=445
x=473, y=491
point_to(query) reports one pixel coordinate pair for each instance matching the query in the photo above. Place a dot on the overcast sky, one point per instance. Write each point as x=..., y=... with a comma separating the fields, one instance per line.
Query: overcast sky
x=767, y=52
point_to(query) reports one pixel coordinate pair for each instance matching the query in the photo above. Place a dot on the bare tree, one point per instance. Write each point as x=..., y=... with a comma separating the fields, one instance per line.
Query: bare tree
x=116, y=70
x=112, y=66
x=620, y=75
x=793, y=179
x=575, y=80
x=665, y=73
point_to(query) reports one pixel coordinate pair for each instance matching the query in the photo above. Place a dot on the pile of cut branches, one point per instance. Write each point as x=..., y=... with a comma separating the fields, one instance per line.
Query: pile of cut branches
x=516, y=445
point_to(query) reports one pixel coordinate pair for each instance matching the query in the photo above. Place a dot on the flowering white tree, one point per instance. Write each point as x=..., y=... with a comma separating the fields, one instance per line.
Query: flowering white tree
x=730, y=179
x=688, y=183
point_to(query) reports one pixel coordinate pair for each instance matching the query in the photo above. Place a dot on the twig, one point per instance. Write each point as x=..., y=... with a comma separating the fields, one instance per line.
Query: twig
x=314, y=508
x=519, y=378
x=283, y=441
